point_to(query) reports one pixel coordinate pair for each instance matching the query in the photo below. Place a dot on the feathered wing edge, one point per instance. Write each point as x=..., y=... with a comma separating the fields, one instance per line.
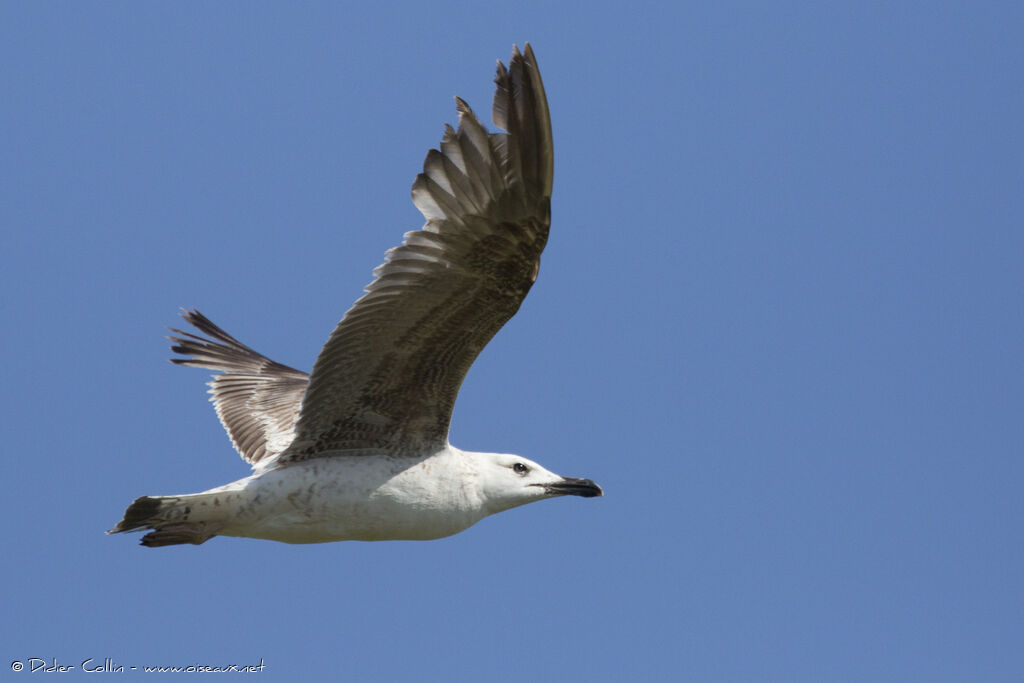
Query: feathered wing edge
x=256, y=399
x=523, y=113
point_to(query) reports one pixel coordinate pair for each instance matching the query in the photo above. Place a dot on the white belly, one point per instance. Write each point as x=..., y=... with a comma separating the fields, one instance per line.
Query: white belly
x=358, y=498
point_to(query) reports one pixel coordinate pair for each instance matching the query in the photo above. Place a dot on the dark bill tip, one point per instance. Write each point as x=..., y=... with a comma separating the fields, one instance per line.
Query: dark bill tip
x=571, y=486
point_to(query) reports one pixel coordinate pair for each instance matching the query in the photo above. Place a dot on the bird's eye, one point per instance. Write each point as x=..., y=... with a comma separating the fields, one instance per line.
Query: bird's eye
x=520, y=468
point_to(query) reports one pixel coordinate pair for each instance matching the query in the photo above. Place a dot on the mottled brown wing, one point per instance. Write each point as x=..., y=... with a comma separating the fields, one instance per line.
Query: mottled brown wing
x=389, y=374
x=256, y=399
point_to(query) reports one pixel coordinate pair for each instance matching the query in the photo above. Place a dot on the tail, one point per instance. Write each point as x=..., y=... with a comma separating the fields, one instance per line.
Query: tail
x=172, y=519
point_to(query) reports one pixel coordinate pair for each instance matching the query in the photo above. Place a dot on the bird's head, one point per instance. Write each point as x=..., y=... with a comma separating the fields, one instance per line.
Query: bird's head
x=507, y=481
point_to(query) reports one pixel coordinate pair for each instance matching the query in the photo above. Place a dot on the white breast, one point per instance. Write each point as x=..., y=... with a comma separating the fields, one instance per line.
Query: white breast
x=359, y=497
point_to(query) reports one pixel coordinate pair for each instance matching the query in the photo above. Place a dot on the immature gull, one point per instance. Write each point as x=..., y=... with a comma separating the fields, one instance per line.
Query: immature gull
x=359, y=449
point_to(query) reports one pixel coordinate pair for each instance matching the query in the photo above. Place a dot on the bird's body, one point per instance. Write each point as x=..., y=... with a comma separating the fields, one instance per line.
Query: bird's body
x=340, y=498
x=358, y=450
x=362, y=497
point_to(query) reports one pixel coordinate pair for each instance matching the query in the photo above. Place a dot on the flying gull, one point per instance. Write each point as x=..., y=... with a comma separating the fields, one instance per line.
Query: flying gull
x=358, y=450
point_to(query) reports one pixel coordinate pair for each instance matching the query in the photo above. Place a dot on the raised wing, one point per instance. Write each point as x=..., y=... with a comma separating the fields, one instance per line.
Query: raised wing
x=388, y=376
x=256, y=399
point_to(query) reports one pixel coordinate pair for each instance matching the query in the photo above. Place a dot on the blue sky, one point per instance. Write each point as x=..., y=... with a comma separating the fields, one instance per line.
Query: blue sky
x=779, y=320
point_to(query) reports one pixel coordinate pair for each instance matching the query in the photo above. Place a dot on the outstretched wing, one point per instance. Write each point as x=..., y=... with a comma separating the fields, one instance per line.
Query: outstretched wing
x=388, y=376
x=257, y=399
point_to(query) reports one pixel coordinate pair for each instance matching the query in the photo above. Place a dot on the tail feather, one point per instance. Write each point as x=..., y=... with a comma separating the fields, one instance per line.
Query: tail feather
x=179, y=533
x=168, y=517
